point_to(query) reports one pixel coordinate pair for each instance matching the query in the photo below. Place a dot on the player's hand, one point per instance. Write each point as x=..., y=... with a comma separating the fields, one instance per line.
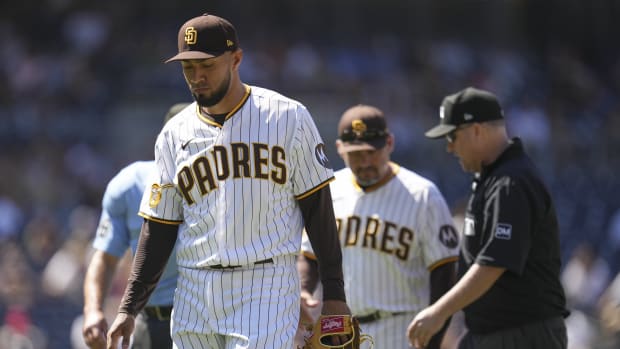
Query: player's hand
x=95, y=329
x=424, y=326
x=335, y=307
x=306, y=320
x=122, y=327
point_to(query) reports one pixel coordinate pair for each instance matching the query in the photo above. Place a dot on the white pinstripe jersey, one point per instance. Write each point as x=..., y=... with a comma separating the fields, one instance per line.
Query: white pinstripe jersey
x=233, y=188
x=392, y=236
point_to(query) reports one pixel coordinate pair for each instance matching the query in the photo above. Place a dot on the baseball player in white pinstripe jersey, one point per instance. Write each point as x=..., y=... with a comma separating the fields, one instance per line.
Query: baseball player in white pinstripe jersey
x=240, y=174
x=399, y=245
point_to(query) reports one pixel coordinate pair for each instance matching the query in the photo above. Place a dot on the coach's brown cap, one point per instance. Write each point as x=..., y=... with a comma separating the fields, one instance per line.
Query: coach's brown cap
x=205, y=36
x=466, y=106
x=362, y=127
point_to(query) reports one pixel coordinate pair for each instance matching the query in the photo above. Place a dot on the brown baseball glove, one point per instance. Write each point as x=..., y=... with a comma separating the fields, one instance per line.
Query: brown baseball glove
x=333, y=325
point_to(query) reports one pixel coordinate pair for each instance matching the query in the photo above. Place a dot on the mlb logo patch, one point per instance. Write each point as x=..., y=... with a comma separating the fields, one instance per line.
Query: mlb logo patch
x=503, y=231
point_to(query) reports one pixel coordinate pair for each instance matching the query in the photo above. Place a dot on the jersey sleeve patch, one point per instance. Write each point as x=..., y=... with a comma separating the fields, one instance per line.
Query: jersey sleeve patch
x=321, y=157
x=104, y=228
x=155, y=197
x=156, y=192
x=448, y=236
x=503, y=231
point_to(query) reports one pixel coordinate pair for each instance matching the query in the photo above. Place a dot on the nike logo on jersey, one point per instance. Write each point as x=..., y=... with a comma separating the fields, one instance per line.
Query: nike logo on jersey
x=186, y=143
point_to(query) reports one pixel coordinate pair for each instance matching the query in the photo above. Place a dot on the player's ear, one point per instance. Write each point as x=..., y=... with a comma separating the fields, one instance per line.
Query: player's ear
x=338, y=145
x=389, y=142
x=237, y=57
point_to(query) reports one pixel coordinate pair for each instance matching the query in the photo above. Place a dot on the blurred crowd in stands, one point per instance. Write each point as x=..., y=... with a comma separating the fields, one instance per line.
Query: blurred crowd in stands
x=83, y=89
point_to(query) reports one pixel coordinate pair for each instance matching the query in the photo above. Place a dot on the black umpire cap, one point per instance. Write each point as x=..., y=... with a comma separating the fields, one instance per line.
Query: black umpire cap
x=466, y=106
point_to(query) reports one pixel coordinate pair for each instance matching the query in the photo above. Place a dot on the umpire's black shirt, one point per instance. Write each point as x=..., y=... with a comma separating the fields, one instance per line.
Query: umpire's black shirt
x=511, y=222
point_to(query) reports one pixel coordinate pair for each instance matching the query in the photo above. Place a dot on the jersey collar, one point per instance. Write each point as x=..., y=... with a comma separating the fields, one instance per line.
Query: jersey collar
x=234, y=110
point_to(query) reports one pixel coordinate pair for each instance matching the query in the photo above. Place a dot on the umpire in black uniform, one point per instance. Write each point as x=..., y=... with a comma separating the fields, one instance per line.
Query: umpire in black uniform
x=509, y=267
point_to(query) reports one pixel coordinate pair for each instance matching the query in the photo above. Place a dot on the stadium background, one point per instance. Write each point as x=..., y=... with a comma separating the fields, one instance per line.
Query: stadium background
x=83, y=90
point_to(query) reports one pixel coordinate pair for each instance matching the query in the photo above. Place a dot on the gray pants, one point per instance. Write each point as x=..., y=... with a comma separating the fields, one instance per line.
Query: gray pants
x=151, y=333
x=546, y=334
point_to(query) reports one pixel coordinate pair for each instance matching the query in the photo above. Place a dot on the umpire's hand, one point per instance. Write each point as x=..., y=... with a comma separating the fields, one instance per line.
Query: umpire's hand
x=122, y=327
x=424, y=326
x=95, y=329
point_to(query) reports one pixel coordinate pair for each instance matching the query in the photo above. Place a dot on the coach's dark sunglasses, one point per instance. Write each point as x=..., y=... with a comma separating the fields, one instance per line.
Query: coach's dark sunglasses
x=350, y=136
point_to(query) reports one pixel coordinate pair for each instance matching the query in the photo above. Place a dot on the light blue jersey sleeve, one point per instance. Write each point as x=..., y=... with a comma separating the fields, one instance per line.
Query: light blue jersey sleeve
x=119, y=225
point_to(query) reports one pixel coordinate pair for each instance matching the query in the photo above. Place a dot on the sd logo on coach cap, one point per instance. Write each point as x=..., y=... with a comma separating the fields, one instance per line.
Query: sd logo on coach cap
x=205, y=36
x=362, y=127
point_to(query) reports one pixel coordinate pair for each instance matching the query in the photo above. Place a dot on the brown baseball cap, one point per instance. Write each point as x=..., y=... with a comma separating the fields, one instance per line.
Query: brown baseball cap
x=205, y=36
x=466, y=106
x=362, y=127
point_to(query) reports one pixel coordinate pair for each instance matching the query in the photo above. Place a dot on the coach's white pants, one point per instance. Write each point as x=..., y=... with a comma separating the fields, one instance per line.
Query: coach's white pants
x=389, y=332
x=249, y=307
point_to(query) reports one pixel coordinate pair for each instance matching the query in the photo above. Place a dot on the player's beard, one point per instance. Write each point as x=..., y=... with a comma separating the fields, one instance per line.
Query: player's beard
x=214, y=98
x=369, y=176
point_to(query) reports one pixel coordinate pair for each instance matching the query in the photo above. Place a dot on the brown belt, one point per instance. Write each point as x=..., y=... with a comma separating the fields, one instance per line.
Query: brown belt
x=376, y=316
x=219, y=266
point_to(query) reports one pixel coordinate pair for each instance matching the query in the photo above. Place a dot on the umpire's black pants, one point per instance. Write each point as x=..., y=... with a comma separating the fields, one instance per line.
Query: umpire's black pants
x=547, y=334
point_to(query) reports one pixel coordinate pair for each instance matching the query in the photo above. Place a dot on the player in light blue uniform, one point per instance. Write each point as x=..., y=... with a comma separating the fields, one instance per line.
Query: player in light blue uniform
x=118, y=230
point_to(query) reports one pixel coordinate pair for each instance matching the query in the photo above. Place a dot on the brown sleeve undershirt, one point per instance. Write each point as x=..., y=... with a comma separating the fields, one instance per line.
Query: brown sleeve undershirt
x=442, y=279
x=320, y=224
x=154, y=248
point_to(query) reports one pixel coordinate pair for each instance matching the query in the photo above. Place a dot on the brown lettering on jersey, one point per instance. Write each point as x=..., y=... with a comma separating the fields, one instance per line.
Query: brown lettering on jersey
x=375, y=230
x=261, y=159
x=404, y=238
x=220, y=155
x=203, y=173
x=387, y=238
x=370, y=233
x=240, y=160
x=186, y=183
x=278, y=160
x=353, y=227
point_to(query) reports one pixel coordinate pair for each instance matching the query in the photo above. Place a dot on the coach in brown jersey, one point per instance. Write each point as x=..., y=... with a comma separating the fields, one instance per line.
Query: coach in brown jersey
x=509, y=266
